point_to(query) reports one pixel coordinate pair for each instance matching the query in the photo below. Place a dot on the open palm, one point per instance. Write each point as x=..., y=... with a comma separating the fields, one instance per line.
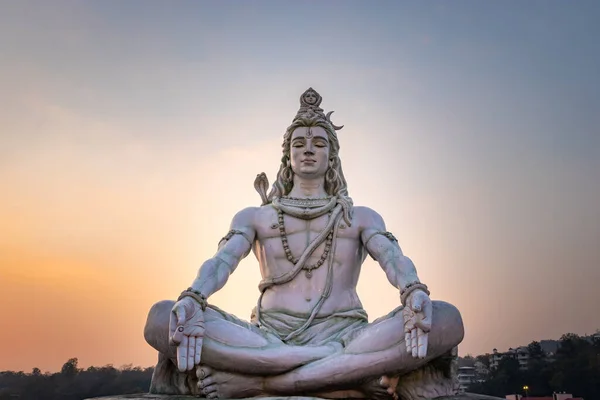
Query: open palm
x=186, y=331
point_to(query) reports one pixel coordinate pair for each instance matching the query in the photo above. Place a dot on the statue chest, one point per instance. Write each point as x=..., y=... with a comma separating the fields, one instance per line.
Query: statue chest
x=297, y=234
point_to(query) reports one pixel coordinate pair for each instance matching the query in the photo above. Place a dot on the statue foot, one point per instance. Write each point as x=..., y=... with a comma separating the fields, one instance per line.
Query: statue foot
x=390, y=383
x=383, y=388
x=215, y=384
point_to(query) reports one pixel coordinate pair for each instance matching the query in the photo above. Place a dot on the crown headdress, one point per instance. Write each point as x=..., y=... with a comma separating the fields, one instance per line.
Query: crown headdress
x=310, y=101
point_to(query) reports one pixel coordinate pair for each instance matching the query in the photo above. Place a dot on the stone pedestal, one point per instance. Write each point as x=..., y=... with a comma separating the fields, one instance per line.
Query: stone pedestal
x=145, y=396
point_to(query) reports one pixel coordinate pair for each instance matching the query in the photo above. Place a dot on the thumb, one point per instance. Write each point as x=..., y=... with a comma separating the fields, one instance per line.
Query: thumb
x=417, y=303
x=180, y=314
x=424, y=322
x=178, y=317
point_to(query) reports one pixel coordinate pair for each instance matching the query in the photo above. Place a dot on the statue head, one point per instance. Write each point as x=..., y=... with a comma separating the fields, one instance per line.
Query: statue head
x=310, y=98
x=311, y=124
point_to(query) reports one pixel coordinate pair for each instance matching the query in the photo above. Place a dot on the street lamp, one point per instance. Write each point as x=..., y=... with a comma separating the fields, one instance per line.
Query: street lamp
x=526, y=389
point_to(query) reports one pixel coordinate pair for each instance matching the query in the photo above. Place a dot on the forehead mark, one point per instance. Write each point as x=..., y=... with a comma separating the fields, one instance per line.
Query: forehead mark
x=317, y=133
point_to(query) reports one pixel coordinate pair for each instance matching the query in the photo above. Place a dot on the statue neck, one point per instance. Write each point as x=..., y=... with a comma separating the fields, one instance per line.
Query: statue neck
x=308, y=188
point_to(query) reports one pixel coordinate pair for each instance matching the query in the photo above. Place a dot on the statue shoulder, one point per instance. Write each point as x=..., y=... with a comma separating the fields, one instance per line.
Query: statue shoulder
x=254, y=216
x=367, y=218
x=245, y=217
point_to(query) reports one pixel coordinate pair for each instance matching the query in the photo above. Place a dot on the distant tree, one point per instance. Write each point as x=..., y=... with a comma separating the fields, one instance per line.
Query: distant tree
x=576, y=367
x=70, y=367
x=535, y=350
x=466, y=361
x=505, y=379
x=484, y=359
x=537, y=373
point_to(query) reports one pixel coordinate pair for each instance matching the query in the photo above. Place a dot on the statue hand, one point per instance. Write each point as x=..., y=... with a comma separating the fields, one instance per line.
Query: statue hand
x=186, y=331
x=417, y=323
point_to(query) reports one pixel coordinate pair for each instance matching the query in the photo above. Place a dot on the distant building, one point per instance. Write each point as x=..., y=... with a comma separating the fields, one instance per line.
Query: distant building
x=521, y=354
x=466, y=376
x=481, y=371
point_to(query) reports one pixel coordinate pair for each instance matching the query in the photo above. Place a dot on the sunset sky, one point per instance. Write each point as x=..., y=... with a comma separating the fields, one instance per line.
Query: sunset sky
x=131, y=132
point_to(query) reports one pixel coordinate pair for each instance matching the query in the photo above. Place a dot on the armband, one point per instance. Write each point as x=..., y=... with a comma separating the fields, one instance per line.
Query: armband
x=388, y=235
x=234, y=232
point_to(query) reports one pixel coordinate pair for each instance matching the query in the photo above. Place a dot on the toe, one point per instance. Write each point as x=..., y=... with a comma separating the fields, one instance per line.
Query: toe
x=208, y=389
x=212, y=395
x=208, y=381
x=203, y=371
x=384, y=381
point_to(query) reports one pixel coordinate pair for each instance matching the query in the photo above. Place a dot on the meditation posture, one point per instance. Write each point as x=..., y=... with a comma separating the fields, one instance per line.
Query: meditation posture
x=308, y=334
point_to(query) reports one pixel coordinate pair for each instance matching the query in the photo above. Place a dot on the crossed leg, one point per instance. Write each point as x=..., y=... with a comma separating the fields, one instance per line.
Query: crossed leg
x=235, y=347
x=268, y=366
x=377, y=351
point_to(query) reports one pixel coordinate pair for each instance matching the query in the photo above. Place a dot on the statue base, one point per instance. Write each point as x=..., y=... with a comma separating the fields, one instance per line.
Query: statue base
x=146, y=396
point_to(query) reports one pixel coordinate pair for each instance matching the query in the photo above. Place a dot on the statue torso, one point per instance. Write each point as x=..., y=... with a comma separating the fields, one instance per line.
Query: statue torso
x=302, y=293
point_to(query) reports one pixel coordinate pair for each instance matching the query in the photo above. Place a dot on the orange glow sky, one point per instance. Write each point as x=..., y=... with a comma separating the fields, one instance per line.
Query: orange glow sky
x=130, y=134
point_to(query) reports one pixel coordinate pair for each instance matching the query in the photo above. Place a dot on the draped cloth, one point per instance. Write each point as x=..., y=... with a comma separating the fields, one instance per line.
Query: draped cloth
x=275, y=325
x=339, y=326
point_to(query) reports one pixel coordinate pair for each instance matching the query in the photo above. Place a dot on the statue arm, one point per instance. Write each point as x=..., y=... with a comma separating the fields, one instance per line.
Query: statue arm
x=214, y=273
x=401, y=272
x=384, y=249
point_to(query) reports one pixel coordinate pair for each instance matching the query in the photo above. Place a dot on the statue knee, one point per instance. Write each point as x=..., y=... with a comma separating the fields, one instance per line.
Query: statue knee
x=449, y=321
x=156, y=330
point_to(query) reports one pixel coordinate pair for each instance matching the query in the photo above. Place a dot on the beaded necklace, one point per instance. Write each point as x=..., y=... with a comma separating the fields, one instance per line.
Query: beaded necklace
x=288, y=252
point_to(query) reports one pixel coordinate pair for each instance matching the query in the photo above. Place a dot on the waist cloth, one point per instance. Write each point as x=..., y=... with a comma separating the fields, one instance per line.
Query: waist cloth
x=340, y=326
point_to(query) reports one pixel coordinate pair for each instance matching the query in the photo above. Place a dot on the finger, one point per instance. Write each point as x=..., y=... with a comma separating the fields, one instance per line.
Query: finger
x=413, y=342
x=426, y=317
x=406, y=316
x=198, y=351
x=423, y=339
x=182, y=351
x=179, y=318
x=191, y=355
x=424, y=324
x=172, y=324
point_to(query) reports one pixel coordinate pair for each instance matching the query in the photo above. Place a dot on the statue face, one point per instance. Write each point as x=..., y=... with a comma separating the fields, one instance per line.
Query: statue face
x=310, y=98
x=309, y=152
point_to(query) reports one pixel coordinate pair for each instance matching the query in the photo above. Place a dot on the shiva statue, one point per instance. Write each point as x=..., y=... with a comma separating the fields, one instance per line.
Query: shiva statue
x=308, y=334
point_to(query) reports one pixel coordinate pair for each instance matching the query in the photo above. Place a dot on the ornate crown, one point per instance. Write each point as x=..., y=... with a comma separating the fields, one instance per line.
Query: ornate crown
x=310, y=101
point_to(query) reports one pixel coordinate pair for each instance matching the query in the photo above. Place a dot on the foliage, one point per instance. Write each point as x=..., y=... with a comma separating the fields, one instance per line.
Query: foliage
x=73, y=383
x=575, y=369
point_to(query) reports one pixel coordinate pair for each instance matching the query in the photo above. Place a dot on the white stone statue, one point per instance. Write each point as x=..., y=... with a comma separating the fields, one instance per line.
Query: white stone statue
x=309, y=334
